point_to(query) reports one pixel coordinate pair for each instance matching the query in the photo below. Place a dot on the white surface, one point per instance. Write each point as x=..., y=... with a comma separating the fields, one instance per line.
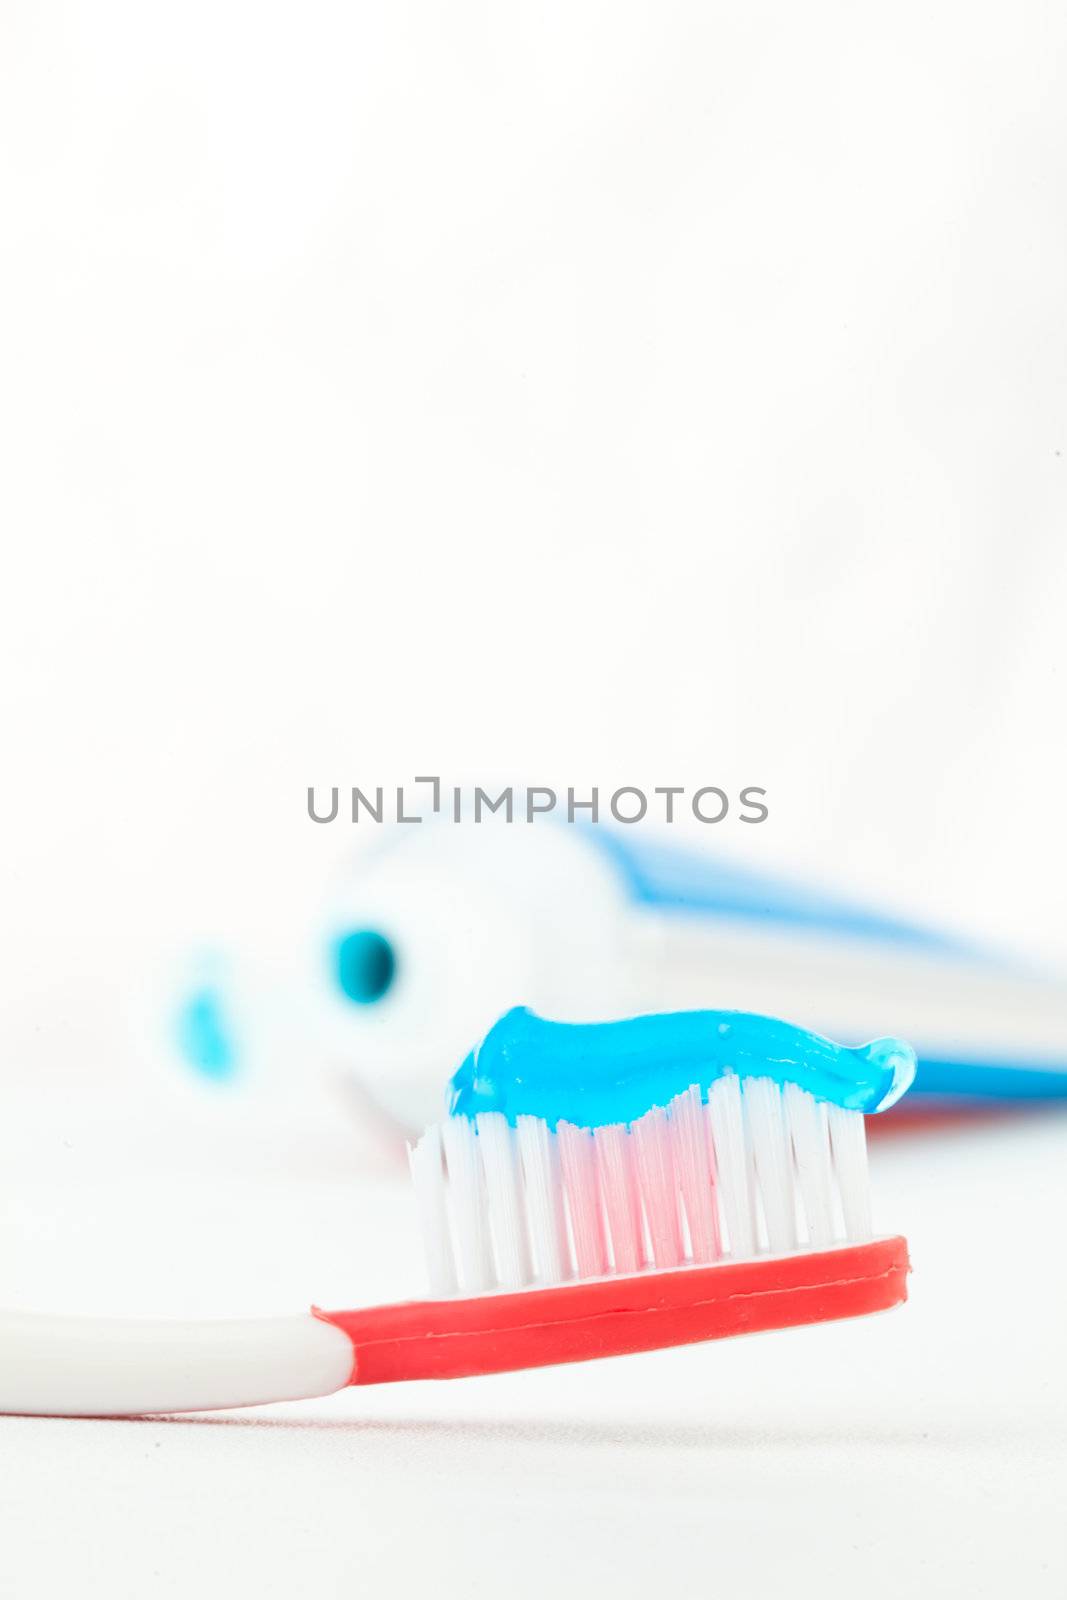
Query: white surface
x=921, y=1451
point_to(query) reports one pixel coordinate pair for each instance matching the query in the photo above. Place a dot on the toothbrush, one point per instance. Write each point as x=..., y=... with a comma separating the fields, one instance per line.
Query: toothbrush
x=595, y=1190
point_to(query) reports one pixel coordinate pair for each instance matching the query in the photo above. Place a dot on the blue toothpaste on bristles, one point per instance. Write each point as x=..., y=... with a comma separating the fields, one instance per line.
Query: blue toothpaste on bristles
x=594, y=1074
x=586, y=1149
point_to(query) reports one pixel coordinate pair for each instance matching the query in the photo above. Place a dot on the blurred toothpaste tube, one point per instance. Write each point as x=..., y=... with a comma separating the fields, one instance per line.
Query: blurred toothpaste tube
x=438, y=929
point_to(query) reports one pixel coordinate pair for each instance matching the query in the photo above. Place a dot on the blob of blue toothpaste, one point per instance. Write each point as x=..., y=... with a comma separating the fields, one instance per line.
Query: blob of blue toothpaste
x=596, y=1073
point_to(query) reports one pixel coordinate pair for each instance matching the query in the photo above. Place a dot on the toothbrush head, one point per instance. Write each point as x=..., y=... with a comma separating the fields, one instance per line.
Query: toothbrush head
x=741, y=1203
x=742, y=1168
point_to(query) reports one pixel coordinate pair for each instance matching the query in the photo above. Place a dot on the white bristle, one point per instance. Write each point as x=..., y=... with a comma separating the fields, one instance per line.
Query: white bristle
x=732, y=1165
x=544, y=1198
x=810, y=1132
x=506, y=1222
x=469, y=1230
x=501, y=1207
x=849, y=1142
x=428, y=1176
x=774, y=1170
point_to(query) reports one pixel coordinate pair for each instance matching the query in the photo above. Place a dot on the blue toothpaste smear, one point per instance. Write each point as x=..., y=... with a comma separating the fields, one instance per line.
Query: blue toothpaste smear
x=593, y=1074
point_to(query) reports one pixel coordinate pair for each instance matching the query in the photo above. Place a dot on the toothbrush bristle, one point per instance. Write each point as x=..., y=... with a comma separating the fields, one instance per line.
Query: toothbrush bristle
x=754, y=1169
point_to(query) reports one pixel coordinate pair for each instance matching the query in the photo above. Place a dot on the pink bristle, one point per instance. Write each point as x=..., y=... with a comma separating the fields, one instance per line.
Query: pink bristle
x=619, y=1187
x=578, y=1166
x=659, y=1190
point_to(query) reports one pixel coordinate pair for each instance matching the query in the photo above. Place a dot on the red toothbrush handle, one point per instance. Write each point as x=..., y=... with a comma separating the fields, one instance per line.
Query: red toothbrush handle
x=618, y=1316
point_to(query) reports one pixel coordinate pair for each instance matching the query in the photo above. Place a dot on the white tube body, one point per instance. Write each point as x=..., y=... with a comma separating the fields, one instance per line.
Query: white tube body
x=947, y=1005
x=86, y=1366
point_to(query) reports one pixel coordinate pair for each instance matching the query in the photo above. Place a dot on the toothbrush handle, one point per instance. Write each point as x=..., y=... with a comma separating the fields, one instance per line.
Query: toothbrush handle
x=110, y=1367
x=83, y=1366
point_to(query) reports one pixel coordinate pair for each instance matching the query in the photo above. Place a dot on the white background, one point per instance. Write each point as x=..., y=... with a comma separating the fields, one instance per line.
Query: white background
x=569, y=394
